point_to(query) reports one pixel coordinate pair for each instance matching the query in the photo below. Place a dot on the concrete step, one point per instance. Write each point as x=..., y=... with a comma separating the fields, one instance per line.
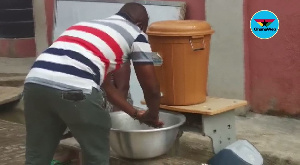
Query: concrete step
x=10, y=94
x=16, y=65
x=12, y=81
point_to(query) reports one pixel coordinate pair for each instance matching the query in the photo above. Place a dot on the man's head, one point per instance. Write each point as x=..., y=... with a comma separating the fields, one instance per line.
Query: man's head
x=137, y=13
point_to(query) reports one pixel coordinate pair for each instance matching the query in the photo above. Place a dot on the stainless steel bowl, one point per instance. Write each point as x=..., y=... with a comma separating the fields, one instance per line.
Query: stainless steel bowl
x=130, y=139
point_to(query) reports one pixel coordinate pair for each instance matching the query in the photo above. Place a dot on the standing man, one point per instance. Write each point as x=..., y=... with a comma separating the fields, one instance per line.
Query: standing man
x=63, y=87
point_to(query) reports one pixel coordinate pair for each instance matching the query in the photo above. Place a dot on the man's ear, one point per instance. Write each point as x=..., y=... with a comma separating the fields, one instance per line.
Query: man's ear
x=140, y=25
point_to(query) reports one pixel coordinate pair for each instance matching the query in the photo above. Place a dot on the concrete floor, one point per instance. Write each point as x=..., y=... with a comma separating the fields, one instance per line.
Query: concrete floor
x=12, y=140
x=276, y=138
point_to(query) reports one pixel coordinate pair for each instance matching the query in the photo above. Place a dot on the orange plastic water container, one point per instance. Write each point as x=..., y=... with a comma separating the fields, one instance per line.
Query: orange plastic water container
x=184, y=47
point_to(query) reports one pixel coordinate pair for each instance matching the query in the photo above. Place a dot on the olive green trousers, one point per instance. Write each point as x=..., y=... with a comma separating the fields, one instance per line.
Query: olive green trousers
x=49, y=111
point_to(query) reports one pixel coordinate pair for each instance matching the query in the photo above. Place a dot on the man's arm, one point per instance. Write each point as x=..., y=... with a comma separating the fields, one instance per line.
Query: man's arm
x=116, y=98
x=121, y=79
x=141, y=56
x=146, y=76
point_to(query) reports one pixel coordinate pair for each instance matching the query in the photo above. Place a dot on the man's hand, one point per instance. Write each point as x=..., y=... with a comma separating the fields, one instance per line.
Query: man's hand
x=149, y=119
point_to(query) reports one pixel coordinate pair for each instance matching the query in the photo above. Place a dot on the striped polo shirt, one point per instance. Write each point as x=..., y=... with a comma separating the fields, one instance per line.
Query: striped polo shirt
x=86, y=52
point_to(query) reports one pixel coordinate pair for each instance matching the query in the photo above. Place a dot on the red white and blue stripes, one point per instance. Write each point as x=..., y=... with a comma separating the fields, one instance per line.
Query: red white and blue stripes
x=83, y=55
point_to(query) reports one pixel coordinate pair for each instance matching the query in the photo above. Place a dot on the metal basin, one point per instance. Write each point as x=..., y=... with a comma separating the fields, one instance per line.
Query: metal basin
x=130, y=139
